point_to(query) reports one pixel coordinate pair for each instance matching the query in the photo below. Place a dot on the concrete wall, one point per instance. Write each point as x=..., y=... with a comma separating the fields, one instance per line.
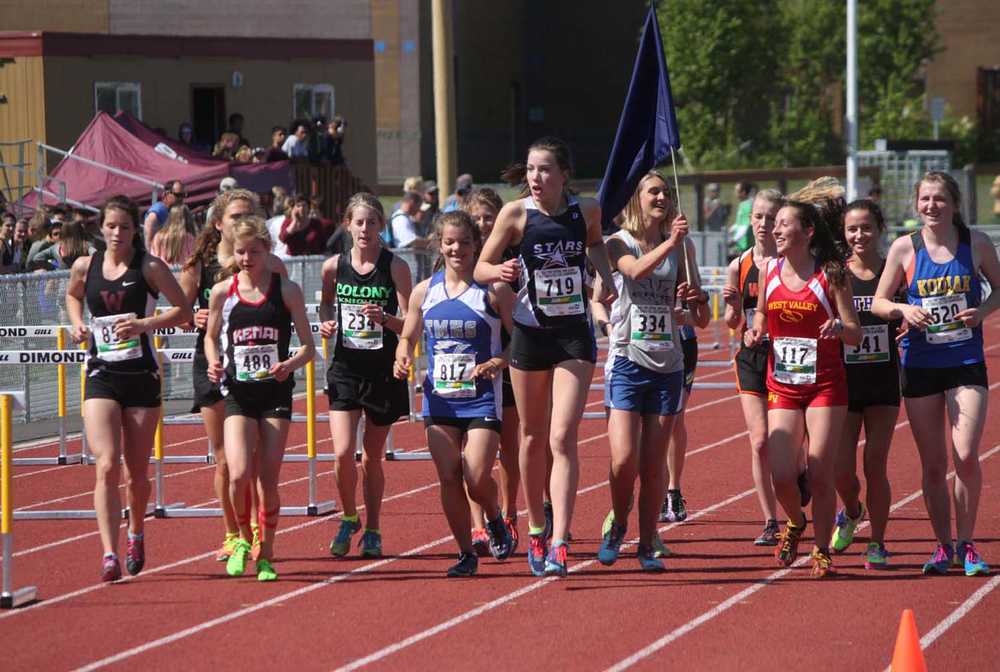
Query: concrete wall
x=74, y=16
x=970, y=31
x=324, y=19
x=265, y=97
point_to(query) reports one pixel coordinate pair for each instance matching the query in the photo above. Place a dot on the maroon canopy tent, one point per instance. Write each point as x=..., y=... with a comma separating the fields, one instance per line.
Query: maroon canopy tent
x=135, y=149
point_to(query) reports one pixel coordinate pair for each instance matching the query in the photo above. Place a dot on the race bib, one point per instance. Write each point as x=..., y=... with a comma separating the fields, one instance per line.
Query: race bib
x=795, y=361
x=873, y=348
x=944, y=328
x=357, y=331
x=453, y=375
x=559, y=291
x=109, y=347
x=651, y=327
x=254, y=362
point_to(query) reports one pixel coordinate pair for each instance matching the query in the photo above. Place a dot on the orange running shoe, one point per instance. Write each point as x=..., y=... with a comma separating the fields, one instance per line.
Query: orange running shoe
x=822, y=564
x=788, y=544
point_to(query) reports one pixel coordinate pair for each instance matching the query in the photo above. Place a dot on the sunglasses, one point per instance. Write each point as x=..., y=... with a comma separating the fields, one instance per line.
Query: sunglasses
x=178, y=194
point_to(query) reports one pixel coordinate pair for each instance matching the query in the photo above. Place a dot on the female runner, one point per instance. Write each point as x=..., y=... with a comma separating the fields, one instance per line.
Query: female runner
x=740, y=295
x=462, y=399
x=553, y=350
x=369, y=285
x=254, y=312
x=806, y=309
x=872, y=391
x=943, y=363
x=644, y=373
x=213, y=252
x=483, y=205
x=120, y=286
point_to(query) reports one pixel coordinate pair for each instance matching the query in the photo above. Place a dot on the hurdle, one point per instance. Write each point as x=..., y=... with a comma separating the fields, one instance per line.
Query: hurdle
x=22, y=357
x=9, y=597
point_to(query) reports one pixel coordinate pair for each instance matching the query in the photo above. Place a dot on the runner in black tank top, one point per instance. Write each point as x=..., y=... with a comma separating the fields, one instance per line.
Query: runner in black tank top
x=483, y=205
x=872, y=391
x=365, y=292
x=743, y=285
x=553, y=348
x=122, y=392
x=252, y=314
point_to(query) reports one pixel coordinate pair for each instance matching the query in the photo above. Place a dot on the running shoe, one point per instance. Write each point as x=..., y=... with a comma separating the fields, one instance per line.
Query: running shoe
x=805, y=494
x=769, y=537
x=678, y=512
x=371, y=544
x=822, y=564
x=940, y=561
x=660, y=549
x=974, y=563
x=265, y=570
x=255, y=542
x=665, y=510
x=536, y=554
x=788, y=544
x=227, y=547
x=111, y=569
x=500, y=544
x=876, y=557
x=609, y=520
x=480, y=543
x=135, y=556
x=341, y=544
x=237, y=563
x=648, y=560
x=555, y=561
x=547, y=506
x=467, y=565
x=843, y=531
x=511, y=523
x=611, y=544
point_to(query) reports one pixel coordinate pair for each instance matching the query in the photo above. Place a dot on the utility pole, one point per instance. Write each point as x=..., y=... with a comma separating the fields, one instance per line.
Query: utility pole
x=851, y=118
x=445, y=136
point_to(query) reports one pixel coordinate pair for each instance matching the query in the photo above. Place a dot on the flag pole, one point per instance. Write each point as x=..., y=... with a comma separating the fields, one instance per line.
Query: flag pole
x=677, y=195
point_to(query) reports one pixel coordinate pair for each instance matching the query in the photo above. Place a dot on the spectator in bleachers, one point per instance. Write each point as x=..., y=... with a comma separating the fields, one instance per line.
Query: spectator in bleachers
x=463, y=185
x=875, y=194
x=301, y=233
x=402, y=225
x=244, y=154
x=275, y=151
x=429, y=210
x=236, y=122
x=69, y=245
x=174, y=243
x=45, y=233
x=18, y=248
x=332, y=143
x=741, y=233
x=8, y=224
x=156, y=216
x=296, y=145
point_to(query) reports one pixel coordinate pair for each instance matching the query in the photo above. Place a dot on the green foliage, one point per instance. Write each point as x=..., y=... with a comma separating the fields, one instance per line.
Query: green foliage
x=761, y=84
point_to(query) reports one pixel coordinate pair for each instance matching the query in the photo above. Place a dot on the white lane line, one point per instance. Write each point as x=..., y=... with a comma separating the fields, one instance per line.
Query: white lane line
x=750, y=590
x=960, y=612
x=306, y=589
x=509, y=597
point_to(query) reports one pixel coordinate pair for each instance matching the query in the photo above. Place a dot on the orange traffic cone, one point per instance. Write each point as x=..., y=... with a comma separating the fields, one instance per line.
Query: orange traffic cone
x=908, y=656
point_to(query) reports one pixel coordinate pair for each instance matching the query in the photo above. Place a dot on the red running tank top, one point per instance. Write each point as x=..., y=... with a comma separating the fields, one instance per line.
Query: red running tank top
x=800, y=362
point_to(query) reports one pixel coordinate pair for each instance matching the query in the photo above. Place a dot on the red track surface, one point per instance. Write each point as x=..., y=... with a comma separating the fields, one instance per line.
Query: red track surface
x=723, y=604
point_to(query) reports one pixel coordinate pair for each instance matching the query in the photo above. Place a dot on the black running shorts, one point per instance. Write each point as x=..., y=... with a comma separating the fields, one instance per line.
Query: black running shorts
x=383, y=399
x=129, y=390
x=534, y=349
x=918, y=382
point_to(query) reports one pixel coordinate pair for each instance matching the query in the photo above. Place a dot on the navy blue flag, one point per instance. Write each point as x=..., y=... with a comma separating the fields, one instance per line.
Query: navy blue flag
x=647, y=129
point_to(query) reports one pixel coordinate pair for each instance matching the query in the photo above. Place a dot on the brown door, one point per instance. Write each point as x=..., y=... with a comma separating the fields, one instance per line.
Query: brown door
x=988, y=104
x=208, y=112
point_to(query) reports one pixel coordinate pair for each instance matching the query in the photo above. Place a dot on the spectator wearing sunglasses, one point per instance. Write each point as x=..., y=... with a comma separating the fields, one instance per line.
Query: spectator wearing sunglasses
x=156, y=216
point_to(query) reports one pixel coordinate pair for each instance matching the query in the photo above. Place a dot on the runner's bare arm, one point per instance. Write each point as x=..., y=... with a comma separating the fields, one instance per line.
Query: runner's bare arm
x=412, y=325
x=75, y=295
x=507, y=231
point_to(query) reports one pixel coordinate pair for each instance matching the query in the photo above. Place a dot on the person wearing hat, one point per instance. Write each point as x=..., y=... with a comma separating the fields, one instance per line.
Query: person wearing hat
x=429, y=209
x=156, y=216
x=463, y=185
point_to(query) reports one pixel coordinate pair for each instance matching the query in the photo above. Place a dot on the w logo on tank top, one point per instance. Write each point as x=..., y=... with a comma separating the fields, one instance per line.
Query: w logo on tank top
x=113, y=300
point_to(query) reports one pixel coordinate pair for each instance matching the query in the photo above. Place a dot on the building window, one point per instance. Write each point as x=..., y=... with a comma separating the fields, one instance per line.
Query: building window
x=312, y=101
x=114, y=97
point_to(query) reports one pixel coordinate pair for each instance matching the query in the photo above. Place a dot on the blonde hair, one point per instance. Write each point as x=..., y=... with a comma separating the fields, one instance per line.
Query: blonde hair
x=219, y=205
x=172, y=240
x=632, y=214
x=363, y=199
x=249, y=227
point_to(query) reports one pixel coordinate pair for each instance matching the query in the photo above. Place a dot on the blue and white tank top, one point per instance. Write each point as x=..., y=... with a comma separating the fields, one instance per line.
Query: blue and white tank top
x=461, y=332
x=553, y=250
x=943, y=290
x=643, y=328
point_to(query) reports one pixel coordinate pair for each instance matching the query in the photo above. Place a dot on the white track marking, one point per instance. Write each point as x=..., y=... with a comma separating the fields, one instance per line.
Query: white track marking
x=722, y=607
